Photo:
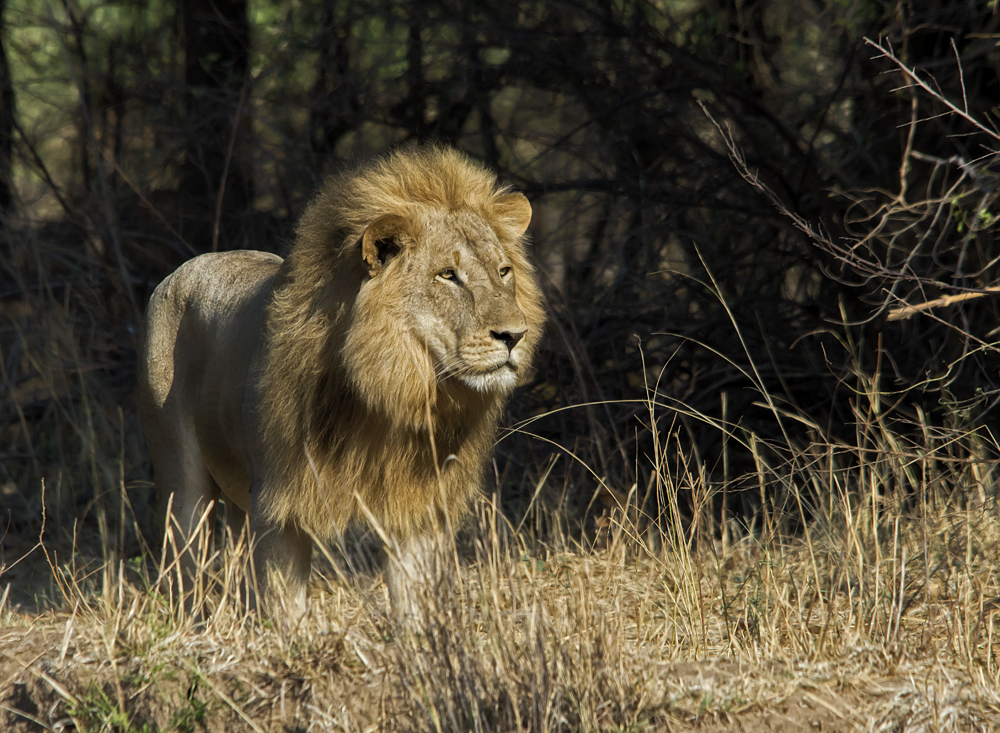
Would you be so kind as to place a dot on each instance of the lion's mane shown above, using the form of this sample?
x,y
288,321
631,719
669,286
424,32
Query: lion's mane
x,y
347,397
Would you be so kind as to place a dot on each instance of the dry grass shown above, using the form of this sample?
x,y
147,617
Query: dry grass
x,y
878,612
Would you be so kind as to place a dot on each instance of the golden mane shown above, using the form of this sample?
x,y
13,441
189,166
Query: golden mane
x,y
343,384
405,182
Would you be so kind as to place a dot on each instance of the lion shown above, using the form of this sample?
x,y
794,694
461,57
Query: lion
x,y
360,379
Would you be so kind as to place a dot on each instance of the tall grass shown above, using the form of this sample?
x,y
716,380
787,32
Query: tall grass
x,y
863,593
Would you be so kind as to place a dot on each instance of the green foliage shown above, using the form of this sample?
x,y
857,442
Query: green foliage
x,y
97,711
192,717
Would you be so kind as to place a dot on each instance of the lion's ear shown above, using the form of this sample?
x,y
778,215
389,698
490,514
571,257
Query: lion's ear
x,y
380,242
515,209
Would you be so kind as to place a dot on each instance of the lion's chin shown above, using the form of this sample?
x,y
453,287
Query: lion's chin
x,y
500,380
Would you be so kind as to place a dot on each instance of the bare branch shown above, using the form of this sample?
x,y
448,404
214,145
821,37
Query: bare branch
x,y
912,74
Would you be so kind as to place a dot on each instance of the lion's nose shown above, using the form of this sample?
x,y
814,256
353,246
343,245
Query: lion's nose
x,y
509,338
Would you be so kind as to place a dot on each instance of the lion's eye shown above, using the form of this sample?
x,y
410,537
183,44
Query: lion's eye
x,y
505,271
448,274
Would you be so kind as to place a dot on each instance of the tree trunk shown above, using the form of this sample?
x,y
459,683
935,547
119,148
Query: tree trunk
x,y
6,124
334,99
217,185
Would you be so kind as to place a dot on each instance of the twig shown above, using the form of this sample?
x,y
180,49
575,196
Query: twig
x,y
736,156
904,312
933,92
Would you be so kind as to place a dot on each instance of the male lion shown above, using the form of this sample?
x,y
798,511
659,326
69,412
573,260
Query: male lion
x,y
360,378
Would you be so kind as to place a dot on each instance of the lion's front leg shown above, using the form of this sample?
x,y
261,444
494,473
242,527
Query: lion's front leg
x,y
282,558
417,568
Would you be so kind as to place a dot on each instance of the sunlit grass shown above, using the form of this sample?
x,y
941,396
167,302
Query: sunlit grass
x,y
878,611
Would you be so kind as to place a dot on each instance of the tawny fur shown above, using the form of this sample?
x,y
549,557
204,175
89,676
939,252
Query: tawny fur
x,y
368,368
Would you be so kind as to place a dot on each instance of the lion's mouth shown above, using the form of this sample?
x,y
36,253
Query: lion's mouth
x,y
500,367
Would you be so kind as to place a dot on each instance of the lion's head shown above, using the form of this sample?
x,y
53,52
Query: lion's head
x,y
457,291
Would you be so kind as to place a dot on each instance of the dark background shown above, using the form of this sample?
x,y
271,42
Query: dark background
x,y
134,135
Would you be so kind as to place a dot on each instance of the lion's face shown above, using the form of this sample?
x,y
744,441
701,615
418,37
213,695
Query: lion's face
x,y
462,303
456,287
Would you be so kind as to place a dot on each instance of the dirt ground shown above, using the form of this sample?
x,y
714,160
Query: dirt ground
x,y
47,684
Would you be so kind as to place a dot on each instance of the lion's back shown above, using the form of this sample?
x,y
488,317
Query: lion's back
x,y
201,307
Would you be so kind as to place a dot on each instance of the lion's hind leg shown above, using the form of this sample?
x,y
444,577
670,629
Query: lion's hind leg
x,y
187,498
282,558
